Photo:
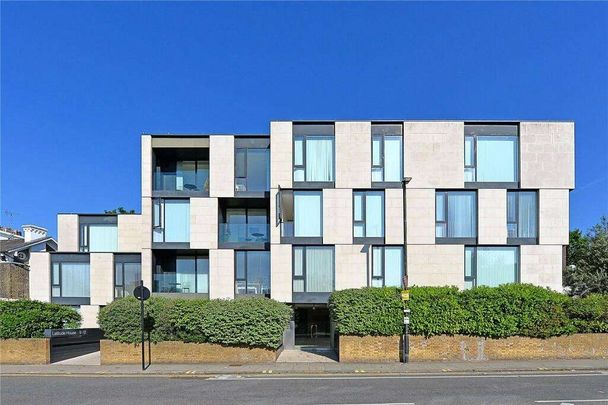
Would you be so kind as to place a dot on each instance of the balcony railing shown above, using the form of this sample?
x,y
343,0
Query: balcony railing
x,y
243,233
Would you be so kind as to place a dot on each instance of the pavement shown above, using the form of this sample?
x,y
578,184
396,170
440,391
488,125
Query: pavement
x,y
330,368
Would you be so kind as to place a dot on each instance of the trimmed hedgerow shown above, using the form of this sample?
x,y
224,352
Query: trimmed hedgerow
x,y
367,311
435,311
251,321
28,319
589,314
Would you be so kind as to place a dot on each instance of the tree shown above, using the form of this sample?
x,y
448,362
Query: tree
x,y
119,210
587,269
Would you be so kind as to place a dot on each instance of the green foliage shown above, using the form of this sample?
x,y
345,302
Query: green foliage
x,y
252,322
587,270
29,319
589,314
435,311
367,311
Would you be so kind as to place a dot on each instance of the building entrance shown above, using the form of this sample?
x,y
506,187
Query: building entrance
x,y
312,326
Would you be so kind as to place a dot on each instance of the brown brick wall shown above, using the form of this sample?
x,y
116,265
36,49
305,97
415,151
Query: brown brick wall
x,y
14,281
25,351
467,348
179,352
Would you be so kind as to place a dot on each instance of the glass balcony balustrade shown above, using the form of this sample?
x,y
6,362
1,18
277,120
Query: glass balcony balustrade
x,y
243,233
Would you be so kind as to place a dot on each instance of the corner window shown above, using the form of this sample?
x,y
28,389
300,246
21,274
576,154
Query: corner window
x,y
313,153
252,169
387,152
522,214
455,214
98,233
387,266
171,220
252,273
490,266
70,279
181,274
127,274
491,153
313,269
368,214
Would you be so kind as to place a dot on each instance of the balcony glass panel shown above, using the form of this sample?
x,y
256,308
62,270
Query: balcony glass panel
x,y
241,233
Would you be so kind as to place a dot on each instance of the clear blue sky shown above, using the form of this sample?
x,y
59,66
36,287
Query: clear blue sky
x,y
82,81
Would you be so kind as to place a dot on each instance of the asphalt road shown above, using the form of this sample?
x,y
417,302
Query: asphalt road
x,y
554,388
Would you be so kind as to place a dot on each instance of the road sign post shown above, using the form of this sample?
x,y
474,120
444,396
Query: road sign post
x,y
405,296
142,293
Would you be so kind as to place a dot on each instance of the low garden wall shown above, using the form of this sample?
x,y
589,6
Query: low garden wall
x,y
179,352
379,349
25,351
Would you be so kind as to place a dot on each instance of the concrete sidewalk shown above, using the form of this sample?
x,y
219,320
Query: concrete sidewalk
x,y
294,369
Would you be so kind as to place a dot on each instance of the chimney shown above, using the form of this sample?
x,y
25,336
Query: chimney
x,y
32,232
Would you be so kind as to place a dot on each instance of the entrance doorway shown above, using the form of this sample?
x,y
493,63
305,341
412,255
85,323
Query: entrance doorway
x,y
312,326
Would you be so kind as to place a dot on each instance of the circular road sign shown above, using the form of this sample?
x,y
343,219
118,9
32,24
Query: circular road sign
x,y
141,293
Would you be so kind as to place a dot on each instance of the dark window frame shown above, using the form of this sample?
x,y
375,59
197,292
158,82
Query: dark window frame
x,y
246,269
295,137
519,240
473,277
246,149
302,277
383,183
364,238
455,240
195,257
84,230
122,260
383,276
160,224
77,258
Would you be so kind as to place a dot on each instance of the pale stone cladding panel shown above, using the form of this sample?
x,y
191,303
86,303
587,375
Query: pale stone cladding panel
x,y
67,233
547,154
353,142
275,228
280,273
434,154
101,278
89,316
221,273
351,266
203,223
221,166
554,217
147,267
130,233
146,166
337,216
393,220
281,164
436,265
40,276
146,223
542,265
492,216
420,210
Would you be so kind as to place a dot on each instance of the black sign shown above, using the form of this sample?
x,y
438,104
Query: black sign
x,y
141,293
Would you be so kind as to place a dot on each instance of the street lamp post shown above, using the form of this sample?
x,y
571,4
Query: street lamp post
x,y
405,294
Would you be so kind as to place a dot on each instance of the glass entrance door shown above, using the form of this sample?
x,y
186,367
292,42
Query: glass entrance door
x,y
312,326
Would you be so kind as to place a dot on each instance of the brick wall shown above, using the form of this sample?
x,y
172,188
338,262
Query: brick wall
x,y
14,281
25,351
180,352
369,349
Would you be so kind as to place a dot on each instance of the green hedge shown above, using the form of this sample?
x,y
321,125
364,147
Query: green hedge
x,y
508,310
29,319
251,321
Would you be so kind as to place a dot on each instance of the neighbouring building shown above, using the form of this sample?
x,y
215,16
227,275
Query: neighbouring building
x,y
315,207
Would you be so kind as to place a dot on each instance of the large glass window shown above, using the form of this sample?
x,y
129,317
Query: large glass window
x,y
522,214
313,153
70,279
184,169
455,214
252,272
368,214
491,153
313,269
491,266
308,213
387,266
181,274
171,220
127,274
245,225
98,233
252,171
387,153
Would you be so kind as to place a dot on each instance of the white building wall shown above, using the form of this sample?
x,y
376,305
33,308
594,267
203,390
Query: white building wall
x,y
146,166
492,216
281,269
542,265
221,166
436,265
351,266
203,223
281,156
89,316
67,233
353,141
147,267
337,216
420,211
130,233
101,278
554,212
40,276
221,273
393,208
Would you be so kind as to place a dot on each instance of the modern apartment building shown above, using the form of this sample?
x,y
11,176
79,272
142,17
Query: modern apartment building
x,y
316,207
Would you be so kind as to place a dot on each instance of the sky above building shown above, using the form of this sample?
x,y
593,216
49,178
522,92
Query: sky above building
x,y
80,82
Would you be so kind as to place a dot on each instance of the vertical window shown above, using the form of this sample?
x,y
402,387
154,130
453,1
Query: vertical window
x,y
252,272
455,214
387,153
313,269
181,274
313,153
491,153
252,170
98,233
491,266
368,214
308,211
127,274
70,279
387,266
522,214
171,222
